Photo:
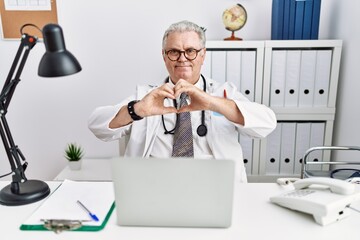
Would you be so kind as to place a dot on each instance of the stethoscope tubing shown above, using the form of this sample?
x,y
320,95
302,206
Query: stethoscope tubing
x,y
201,130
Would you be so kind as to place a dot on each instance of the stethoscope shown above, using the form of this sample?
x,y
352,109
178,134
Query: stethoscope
x,y
201,130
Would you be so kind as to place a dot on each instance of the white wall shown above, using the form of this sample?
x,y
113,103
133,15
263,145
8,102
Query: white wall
x,y
347,127
118,44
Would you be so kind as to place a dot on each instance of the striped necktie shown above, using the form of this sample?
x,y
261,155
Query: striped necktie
x,y
183,138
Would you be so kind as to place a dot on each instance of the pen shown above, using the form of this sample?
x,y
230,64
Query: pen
x,y
93,216
225,95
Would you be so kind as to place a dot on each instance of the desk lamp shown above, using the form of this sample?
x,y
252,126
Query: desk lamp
x,y
57,61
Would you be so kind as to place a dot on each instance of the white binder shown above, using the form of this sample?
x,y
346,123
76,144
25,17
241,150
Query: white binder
x,y
293,60
302,144
307,78
218,66
233,69
316,139
273,142
287,148
248,69
206,68
277,84
322,80
247,148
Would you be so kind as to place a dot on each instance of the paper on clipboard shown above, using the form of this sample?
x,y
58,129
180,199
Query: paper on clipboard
x,y
27,5
62,204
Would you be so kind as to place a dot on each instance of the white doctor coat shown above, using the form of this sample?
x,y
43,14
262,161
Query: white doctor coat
x,y
222,134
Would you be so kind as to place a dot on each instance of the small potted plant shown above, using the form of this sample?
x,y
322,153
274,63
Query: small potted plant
x,y
74,154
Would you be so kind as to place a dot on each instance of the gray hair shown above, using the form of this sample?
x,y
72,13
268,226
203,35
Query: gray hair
x,y
185,26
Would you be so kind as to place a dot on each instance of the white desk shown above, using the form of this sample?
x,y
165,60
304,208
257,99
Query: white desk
x,y
254,218
91,170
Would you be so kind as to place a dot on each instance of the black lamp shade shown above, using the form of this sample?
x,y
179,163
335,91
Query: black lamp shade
x,y
57,61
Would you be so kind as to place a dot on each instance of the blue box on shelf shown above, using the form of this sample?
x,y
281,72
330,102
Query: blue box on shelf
x,y
295,19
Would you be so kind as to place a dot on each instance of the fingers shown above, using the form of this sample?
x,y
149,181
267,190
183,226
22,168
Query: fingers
x,y
166,91
153,102
155,99
183,86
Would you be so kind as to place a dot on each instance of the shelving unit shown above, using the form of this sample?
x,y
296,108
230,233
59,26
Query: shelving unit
x,y
302,110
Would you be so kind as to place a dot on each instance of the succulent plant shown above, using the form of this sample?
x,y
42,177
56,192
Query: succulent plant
x,y
73,152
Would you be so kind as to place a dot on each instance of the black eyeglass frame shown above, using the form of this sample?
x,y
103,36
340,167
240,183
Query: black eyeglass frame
x,y
182,52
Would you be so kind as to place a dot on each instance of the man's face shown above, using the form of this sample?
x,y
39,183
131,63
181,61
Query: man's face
x,y
183,68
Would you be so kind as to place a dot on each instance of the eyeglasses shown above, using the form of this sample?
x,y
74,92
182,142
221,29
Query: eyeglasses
x,y
190,54
345,173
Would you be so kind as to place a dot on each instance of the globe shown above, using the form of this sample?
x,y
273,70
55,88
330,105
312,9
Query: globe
x,y
234,18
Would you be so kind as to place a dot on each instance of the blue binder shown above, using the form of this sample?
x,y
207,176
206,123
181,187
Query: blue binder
x,y
315,19
299,19
308,14
286,20
277,19
292,19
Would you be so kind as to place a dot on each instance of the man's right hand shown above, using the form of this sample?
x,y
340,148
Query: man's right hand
x,y
153,103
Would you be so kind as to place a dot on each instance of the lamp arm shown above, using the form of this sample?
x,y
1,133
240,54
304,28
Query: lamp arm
x,y
12,150
27,43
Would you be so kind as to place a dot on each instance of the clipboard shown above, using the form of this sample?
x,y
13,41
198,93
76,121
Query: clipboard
x,y
60,210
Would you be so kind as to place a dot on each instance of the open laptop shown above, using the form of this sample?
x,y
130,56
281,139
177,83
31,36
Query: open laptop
x,y
173,192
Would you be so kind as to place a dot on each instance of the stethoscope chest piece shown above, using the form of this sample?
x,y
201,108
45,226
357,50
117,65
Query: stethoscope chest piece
x,y
201,130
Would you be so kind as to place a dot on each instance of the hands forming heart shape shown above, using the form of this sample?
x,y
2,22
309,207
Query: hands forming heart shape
x,y
153,102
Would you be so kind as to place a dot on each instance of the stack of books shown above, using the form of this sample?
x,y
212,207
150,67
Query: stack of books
x,y
295,19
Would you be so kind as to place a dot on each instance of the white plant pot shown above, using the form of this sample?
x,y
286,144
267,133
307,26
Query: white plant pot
x,y
75,165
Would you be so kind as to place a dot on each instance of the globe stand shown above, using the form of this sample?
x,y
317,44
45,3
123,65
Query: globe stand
x,y
233,38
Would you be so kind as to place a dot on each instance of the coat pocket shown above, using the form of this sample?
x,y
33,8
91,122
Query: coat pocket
x,y
221,125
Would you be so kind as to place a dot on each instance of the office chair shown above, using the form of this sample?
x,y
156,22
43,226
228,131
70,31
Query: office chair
x,y
333,169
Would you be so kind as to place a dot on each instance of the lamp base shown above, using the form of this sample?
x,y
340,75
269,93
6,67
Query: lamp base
x,y
29,192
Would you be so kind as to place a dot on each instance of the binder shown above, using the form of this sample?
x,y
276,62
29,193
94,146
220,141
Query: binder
x,y
206,68
316,139
233,69
273,145
278,75
322,79
248,74
247,147
315,19
98,197
293,60
302,144
307,78
277,19
308,14
287,148
299,19
218,66
286,26
292,11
